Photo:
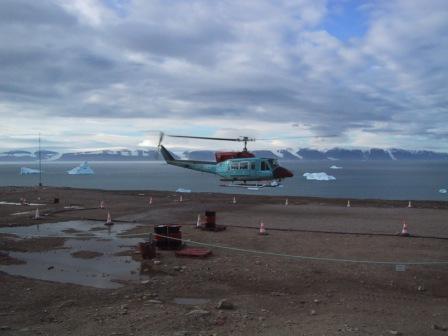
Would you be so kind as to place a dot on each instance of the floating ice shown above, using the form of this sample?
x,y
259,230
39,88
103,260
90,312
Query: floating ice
x,y
319,176
182,190
82,169
26,171
335,167
443,191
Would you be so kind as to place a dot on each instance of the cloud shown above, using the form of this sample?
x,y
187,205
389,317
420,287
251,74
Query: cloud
x,y
207,66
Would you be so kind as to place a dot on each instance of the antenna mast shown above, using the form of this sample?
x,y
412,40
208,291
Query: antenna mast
x,y
40,165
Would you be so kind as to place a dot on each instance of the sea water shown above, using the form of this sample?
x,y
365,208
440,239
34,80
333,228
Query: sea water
x,y
401,180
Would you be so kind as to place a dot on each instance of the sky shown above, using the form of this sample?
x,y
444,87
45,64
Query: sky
x,y
90,74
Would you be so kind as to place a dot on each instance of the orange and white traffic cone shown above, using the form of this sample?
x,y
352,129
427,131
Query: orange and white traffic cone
x,y
109,219
102,205
234,200
286,202
348,204
262,229
404,230
199,222
37,215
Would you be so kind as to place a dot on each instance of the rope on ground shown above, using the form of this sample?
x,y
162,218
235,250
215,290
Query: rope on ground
x,y
266,253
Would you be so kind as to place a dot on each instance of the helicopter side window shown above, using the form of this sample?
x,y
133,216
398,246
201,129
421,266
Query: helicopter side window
x,y
252,166
264,165
234,165
244,165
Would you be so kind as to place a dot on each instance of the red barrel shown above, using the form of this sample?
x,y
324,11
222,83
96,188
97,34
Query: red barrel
x,y
210,219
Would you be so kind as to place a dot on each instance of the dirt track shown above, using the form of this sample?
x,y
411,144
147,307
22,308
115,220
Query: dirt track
x,y
272,295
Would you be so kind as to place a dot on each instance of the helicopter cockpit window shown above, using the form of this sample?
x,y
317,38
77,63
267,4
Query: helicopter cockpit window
x,y
234,165
264,165
244,165
274,163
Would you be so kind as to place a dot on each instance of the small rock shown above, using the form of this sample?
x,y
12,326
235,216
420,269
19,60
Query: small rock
x,y
421,288
156,262
313,312
50,267
198,313
438,327
155,301
182,333
144,282
177,268
220,320
225,304
394,332
5,328
67,303
316,301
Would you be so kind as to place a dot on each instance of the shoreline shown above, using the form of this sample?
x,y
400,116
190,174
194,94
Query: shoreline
x,y
378,202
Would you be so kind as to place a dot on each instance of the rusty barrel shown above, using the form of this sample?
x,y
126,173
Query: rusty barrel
x,y
168,236
147,250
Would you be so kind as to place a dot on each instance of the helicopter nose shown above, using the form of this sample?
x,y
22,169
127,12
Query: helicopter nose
x,y
281,172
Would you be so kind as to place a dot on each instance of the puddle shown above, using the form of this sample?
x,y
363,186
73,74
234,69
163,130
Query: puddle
x,y
60,266
190,301
17,203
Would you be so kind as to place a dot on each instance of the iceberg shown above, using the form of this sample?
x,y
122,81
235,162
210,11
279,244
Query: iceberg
x,y
319,176
26,171
82,169
443,191
335,167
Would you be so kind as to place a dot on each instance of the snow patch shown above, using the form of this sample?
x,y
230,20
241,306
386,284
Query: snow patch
x,y
26,171
335,167
319,176
182,190
443,191
388,151
82,169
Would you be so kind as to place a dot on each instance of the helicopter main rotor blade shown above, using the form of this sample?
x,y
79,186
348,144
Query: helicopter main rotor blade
x,y
242,139
300,137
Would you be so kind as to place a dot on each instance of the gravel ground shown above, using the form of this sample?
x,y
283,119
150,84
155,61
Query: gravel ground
x,y
268,295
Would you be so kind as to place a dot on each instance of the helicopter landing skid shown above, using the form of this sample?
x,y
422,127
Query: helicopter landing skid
x,y
253,186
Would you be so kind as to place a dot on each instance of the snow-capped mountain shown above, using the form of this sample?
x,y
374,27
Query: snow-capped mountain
x,y
208,155
22,155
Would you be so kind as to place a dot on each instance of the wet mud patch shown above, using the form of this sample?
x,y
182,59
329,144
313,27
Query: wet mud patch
x,y
99,229
31,244
126,253
71,231
86,254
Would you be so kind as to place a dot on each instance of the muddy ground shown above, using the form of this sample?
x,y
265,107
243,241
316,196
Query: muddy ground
x,y
270,294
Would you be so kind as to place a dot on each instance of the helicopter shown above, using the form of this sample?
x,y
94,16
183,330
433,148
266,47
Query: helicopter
x,y
239,169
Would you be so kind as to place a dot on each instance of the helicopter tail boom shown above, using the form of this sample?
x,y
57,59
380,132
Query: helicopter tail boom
x,y
166,154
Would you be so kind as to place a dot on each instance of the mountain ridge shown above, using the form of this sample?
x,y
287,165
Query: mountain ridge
x,y
392,154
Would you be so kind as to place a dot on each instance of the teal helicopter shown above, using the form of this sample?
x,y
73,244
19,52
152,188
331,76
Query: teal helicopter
x,y
238,169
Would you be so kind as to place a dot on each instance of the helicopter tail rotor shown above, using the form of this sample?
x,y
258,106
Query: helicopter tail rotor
x,y
161,136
